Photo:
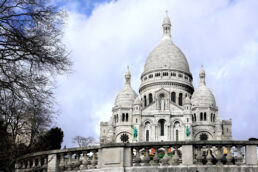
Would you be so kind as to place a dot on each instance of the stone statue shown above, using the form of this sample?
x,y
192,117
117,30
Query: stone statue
x,y
162,104
135,132
187,131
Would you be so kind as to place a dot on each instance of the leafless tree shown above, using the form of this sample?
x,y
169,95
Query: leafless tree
x,y
84,141
31,56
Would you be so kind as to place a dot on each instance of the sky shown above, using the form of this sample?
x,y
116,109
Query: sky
x,y
105,36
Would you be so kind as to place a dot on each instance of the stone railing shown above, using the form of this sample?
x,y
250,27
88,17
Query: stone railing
x,y
145,155
59,160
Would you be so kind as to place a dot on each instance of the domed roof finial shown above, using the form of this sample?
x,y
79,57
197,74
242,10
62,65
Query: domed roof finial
x,y
128,76
166,27
202,76
127,95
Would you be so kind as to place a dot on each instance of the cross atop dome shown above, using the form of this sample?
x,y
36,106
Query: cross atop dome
x,y
128,76
202,76
166,27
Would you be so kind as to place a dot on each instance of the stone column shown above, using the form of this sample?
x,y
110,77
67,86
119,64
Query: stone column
x,y
116,157
187,154
251,154
52,163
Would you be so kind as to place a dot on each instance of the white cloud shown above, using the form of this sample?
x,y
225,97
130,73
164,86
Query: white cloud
x,y
219,34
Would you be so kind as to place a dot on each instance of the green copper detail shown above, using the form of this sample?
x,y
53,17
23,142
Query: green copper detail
x,y
135,132
187,131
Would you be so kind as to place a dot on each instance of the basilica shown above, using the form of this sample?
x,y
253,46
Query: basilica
x,y
168,107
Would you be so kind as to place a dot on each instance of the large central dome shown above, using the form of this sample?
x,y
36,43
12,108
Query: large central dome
x,y
166,56
166,65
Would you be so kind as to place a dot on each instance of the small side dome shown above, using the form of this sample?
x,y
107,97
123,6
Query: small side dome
x,y
127,95
203,96
137,101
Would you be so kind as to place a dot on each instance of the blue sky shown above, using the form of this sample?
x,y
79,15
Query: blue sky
x,y
106,36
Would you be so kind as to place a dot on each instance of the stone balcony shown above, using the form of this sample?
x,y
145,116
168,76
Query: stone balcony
x,y
181,156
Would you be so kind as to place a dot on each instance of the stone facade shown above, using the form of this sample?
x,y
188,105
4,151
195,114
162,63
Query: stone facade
x,y
169,108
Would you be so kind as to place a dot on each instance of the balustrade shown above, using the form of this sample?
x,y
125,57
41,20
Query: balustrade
x,y
35,163
156,155
219,154
199,153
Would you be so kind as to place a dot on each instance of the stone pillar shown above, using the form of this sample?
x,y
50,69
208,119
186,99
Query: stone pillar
x,y
116,157
52,163
187,154
251,154
128,157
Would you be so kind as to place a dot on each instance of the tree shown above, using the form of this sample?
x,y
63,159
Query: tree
x,y
4,144
51,140
31,56
84,141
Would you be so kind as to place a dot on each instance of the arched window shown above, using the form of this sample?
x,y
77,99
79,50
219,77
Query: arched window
x,y
126,117
147,135
162,101
150,98
173,97
201,116
115,118
145,101
180,99
176,135
162,123
204,116
214,117
123,117
211,117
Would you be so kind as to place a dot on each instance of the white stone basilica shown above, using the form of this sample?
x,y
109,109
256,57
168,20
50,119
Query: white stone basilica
x,y
169,108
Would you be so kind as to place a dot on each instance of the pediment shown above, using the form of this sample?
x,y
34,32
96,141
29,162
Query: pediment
x,y
162,92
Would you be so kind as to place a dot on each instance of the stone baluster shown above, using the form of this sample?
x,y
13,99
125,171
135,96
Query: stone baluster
x,y
199,155
23,165
85,161
229,155
28,164
70,163
176,157
156,157
209,157
33,163
137,157
239,158
94,161
146,158
62,162
219,156
78,161
45,164
17,166
39,162
165,159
